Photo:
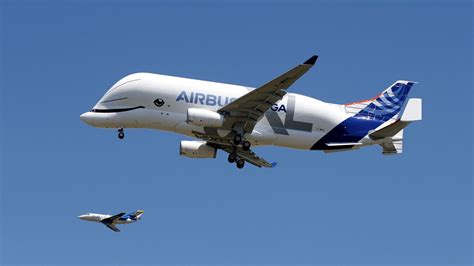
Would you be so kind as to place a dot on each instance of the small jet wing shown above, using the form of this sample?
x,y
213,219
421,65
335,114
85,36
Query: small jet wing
x,y
112,219
248,156
112,227
249,108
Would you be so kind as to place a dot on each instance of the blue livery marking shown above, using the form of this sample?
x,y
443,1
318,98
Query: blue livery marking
x,y
388,104
380,110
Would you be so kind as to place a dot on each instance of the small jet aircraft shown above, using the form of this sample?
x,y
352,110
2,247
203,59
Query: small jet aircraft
x,y
234,118
111,220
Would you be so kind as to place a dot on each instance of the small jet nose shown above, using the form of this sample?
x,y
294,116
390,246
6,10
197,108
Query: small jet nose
x,y
82,217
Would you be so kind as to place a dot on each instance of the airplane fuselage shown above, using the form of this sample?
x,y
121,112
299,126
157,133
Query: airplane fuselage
x,y
97,217
153,101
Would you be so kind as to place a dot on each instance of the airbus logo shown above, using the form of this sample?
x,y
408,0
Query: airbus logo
x,y
213,100
204,99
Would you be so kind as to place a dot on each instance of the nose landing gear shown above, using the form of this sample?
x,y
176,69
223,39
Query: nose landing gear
x,y
121,134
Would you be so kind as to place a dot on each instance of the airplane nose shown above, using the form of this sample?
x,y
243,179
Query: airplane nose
x,y
86,118
81,217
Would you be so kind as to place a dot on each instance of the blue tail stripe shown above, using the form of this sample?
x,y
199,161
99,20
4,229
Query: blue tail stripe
x,y
391,99
389,105
354,128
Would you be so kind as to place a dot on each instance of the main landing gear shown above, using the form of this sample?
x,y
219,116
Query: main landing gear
x,y
238,140
246,145
121,134
240,163
234,159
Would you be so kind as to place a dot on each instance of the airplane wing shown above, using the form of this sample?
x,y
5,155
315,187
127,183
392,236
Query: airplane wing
x,y
112,227
248,156
248,109
112,219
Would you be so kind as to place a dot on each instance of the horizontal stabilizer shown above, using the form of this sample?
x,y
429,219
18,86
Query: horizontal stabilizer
x,y
389,131
411,113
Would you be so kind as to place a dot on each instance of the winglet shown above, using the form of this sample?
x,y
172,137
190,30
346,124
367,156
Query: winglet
x,y
274,164
412,111
311,60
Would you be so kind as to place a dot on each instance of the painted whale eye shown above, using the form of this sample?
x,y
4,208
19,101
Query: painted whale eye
x,y
159,102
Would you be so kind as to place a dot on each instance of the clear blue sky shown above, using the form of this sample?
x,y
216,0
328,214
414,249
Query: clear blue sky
x,y
59,57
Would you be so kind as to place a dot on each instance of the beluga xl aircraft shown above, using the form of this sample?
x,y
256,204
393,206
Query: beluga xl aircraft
x,y
235,118
111,220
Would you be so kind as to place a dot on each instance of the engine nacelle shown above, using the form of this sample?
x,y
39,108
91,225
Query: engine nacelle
x,y
205,118
196,149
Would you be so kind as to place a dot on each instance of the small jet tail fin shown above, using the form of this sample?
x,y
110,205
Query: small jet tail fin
x,y
137,214
385,106
134,215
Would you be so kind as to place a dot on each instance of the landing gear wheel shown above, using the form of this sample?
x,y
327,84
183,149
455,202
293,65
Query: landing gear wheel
x,y
240,163
246,145
237,139
232,157
121,135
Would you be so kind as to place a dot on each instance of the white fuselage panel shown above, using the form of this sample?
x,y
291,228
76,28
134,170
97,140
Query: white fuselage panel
x,y
161,102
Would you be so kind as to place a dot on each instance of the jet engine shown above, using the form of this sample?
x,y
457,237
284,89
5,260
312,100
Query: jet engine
x,y
196,149
205,118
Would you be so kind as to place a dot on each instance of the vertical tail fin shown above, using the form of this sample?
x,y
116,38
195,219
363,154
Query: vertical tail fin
x,y
138,214
135,215
385,106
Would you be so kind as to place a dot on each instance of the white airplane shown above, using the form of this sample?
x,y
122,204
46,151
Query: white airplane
x,y
234,118
111,220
